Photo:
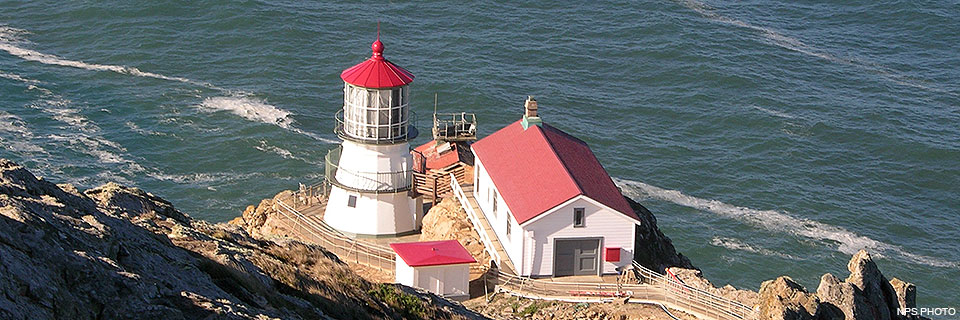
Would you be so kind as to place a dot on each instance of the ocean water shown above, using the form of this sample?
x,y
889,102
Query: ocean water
x,y
769,137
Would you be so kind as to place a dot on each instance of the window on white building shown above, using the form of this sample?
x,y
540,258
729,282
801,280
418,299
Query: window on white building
x,y
352,201
578,218
494,204
508,227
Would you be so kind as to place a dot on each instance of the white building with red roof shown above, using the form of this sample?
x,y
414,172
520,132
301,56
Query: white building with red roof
x,y
441,267
371,172
551,204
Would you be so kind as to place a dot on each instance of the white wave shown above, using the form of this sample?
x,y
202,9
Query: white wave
x,y
274,149
12,42
203,178
20,135
734,244
32,55
82,135
794,44
844,240
774,113
256,110
11,39
286,154
250,109
17,77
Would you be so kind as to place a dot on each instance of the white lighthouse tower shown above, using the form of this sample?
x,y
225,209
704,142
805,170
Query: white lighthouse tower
x,y
370,172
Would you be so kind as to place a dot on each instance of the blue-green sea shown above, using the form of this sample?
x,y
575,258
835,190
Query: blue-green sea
x,y
769,137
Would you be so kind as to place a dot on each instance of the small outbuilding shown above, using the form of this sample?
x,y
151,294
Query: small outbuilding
x,y
441,267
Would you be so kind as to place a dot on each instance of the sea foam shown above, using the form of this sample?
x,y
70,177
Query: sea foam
x,y
736,244
11,41
845,241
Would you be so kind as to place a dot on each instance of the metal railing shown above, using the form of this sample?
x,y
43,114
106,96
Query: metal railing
x,y
472,216
691,299
371,182
403,134
455,126
347,249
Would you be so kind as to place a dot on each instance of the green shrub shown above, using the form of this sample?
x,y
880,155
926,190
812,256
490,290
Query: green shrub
x,y
409,306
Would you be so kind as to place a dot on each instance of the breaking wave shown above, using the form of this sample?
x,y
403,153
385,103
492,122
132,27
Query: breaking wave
x,y
734,244
11,40
846,241
774,113
14,126
17,77
250,109
256,110
284,153
10,37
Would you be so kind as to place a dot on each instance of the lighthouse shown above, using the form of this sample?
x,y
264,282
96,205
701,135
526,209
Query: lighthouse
x,y
370,172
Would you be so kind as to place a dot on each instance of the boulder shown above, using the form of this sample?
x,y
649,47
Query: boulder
x,y
906,293
783,298
447,220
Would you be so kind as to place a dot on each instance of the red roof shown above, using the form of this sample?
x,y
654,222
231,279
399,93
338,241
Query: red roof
x,y
437,160
377,72
432,253
541,167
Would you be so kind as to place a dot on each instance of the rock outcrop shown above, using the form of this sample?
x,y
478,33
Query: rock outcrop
x,y
653,249
447,220
263,220
865,294
116,253
782,298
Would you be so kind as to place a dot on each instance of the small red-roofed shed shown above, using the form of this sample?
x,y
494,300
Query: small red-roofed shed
x,y
441,267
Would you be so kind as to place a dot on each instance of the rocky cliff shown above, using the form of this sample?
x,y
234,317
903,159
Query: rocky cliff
x,y
864,294
115,253
653,249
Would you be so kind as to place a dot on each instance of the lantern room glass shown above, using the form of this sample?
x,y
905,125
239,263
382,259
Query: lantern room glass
x,y
375,114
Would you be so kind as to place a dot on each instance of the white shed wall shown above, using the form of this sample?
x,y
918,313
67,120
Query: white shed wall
x,y
482,191
404,273
450,281
616,230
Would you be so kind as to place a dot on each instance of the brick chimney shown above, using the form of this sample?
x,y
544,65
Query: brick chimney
x,y
530,116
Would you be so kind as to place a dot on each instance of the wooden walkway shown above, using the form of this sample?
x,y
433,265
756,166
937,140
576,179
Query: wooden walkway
x,y
490,241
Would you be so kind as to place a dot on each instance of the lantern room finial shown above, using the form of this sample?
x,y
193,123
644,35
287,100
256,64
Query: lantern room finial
x,y
377,46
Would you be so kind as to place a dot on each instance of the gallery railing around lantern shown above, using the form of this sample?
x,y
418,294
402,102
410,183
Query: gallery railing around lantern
x,y
455,126
361,181
376,134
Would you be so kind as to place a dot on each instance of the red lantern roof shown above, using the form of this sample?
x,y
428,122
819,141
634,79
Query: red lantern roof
x,y
432,253
377,72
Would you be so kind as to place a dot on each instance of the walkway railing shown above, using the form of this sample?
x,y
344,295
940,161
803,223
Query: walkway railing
x,y
346,248
363,132
361,181
691,299
472,215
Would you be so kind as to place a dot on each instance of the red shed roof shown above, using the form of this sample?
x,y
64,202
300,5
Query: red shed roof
x,y
432,253
541,167
377,72
440,160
